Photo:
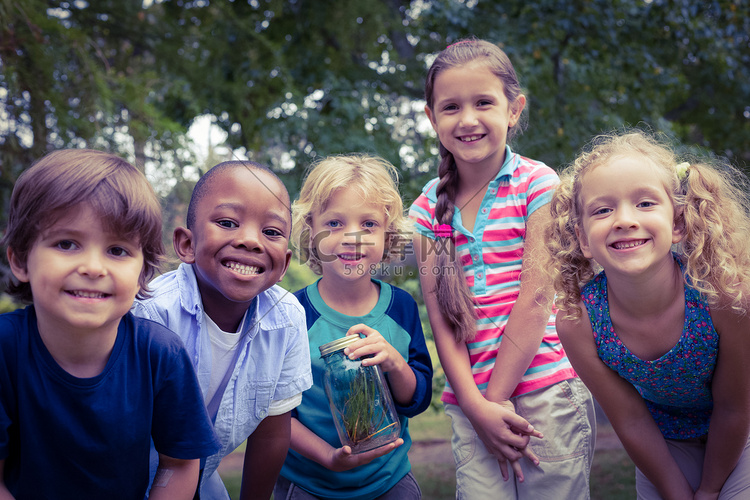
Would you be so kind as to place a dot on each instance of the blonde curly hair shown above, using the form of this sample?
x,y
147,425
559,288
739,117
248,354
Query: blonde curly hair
x,y
374,178
710,204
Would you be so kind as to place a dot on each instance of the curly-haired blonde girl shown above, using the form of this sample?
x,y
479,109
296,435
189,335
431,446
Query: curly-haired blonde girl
x,y
710,202
661,335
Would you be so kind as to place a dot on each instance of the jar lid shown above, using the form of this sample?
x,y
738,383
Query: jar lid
x,y
338,344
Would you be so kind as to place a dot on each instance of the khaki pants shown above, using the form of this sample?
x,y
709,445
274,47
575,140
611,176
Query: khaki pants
x,y
689,457
564,413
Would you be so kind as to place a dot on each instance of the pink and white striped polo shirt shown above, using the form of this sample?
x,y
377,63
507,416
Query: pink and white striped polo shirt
x,y
491,256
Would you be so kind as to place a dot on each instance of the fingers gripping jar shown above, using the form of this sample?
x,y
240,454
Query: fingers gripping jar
x,y
360,399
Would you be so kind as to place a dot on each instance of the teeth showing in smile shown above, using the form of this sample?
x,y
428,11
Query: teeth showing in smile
x,y
470,138
242,268
623,245
350,256
87,295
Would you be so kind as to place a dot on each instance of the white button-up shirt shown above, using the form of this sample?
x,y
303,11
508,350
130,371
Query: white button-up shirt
x,y
273,362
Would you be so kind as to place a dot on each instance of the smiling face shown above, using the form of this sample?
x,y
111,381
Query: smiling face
x,y
471,115
239,242
83,276
627,216
349,236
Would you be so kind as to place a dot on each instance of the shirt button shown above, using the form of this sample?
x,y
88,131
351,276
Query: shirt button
x,y
263,413
479,275
484,210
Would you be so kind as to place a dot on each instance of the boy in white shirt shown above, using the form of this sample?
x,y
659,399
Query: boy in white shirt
x,y
246,336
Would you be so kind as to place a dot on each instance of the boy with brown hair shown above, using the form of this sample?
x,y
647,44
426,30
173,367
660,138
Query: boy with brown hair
x,y
84,385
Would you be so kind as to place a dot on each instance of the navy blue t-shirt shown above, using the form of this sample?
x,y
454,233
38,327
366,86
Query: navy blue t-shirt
x,y
67,437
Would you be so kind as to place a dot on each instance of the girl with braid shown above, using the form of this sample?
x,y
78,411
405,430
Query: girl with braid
x,y
481,251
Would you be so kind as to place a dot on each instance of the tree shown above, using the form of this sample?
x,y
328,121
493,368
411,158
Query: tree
x,y
593,65
80,74
294,80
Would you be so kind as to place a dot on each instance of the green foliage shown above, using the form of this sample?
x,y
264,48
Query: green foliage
x,y
362,418
298,276
291,81
7,304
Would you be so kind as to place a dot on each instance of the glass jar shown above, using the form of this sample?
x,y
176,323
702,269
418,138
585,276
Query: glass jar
x,y
360,399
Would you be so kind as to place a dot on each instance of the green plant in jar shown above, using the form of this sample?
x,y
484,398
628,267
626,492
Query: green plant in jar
x,y
362,419
360,400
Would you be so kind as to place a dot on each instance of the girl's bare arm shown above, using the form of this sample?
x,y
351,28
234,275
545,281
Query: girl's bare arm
x,y
494,423
625,409
730,420
527,321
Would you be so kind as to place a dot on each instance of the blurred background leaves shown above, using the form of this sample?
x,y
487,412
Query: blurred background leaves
x,y
291,81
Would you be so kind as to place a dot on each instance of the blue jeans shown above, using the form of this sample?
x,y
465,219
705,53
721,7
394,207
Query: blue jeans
x,y
564,413
406,489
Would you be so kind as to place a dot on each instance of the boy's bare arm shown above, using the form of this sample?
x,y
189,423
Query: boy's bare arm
x,y
311,446
175,479
4,493
264,455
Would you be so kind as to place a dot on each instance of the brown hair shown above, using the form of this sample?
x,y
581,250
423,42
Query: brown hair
x,y
710,204
451,290
373,177
61,180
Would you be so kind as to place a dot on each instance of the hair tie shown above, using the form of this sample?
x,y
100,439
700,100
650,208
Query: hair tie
x,y
682,170
460,42
443,231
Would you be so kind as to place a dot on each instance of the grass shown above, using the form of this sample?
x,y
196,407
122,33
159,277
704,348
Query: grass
x,y
233,483
612,474
432,425
437,481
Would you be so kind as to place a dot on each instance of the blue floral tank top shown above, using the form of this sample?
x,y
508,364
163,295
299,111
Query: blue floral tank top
x,y
677,386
